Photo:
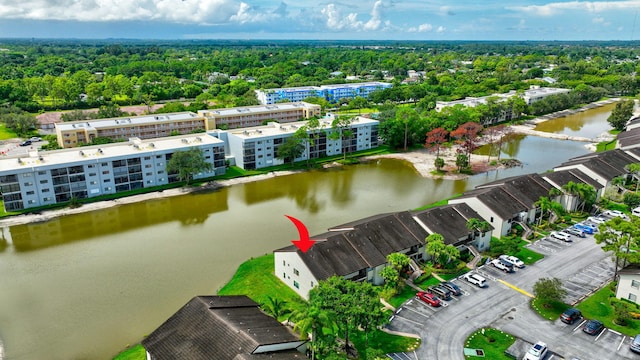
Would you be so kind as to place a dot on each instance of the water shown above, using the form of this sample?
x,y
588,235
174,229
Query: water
x,y
588,124
85,286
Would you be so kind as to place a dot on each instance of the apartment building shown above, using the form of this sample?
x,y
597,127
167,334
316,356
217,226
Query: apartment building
x,y
534,94
238,117
331,93
74,133
57,176
257,147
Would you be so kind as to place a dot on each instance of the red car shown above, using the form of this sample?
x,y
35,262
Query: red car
x,y
429,298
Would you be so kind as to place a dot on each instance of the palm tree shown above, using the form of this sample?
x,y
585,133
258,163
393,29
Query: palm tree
x,y
544,203
275,307
620,182
587,194
476,226
634,169
308,320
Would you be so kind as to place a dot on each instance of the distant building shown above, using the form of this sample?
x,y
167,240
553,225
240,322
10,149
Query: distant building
x,y
239,117
58,176
256,147
534,94
331,93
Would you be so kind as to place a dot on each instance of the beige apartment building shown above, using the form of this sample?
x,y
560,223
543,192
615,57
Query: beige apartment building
x,y
249,116
74,133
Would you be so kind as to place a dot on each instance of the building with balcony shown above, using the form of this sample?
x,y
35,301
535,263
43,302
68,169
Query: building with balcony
x,y
332,93
534,94
257,147
248,116
58,176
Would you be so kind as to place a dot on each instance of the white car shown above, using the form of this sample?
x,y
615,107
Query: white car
x,y
475,279
615,213
513,260
561,236
596,219
35,139
537,352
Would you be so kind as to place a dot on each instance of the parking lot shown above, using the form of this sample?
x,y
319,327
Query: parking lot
x,y
504,304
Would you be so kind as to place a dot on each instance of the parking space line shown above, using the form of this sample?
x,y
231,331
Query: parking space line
x,y
522,291
601,332
579,326
621,342
405,319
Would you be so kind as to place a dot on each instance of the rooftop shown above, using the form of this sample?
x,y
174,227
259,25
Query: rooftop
x,y
274,128
131,120
256,109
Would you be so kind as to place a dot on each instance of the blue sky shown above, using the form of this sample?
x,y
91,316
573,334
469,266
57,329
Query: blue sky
x,y
334,19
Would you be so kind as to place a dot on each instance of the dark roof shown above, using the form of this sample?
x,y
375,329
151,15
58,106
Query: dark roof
x,y
562,177
450,221
360,244
498,200
526,188
629,138
218,327
635,152
608,164
630,270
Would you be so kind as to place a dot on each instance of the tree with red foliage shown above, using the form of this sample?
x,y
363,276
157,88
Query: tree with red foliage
x,y
467,135
435,139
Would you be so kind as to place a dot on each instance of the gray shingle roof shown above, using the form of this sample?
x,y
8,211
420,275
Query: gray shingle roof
x,y
450,221
562,177
526,188
608,164
498,200
629,138
217,327
361,244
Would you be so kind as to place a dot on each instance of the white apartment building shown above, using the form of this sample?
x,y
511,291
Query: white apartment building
x,y
331,93
58,176
256,147
534,94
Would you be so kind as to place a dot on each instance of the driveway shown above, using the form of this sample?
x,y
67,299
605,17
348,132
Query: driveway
x,y
504,304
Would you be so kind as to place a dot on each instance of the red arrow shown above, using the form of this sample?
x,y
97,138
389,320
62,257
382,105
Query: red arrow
x,y
305,243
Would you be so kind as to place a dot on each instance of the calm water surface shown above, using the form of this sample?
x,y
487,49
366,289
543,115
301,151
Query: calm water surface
x,y
85,286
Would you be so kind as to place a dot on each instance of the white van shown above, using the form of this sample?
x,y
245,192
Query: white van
x,y
636,211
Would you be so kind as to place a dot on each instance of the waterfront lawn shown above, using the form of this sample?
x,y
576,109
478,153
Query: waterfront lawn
x,y
493,342
136,352
255,278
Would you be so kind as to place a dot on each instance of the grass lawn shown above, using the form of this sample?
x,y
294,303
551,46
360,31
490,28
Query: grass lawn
x,y
255,279
386,342
597,306
6,133
407,293
606,145
548,310
528,256
133,353
494,343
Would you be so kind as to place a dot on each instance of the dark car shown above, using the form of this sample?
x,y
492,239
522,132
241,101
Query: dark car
x,y
429,298
635,344
593,327
440,292
25,143
455,290
570,315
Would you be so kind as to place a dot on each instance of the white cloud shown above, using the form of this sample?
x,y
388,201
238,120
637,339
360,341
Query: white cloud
x,y
376,17
440,29
421,28
555,8
335,20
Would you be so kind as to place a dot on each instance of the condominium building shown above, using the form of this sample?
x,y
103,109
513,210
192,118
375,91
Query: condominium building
x,y
331,93
74,133
257,147
534,94
58,176
238,117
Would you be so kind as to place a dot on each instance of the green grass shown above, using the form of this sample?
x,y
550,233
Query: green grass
x,y
407,293
386,342
597,306
136,352
255,279
606,145
494,343
528,256
549,310
6,134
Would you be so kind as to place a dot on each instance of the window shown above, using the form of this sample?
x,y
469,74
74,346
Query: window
x,y
296,285
284,263
104,164
106,180
284,275
91,166
635,284
44,181
108,188
31,202
312,284
42,173
105,172
93,182
46,199
45,190
491,219
632,297
296,272
30,192
147,166
147,157
27,174
28,183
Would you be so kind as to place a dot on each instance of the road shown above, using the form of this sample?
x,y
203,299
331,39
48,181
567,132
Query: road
x,y
581,265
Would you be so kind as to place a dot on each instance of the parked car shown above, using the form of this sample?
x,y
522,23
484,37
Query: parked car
x,y
615,213
561,236
570,315
475,279
512,260
635,344
439,291
502,265
586,228
593,327
597,219
455,290
35,139
537,352
25,143
636,211
575,232
429,298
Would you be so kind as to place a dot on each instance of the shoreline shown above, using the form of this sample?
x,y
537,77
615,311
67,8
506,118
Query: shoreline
x,y
422,160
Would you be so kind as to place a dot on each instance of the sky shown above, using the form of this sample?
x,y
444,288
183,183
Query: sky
x,y
321,20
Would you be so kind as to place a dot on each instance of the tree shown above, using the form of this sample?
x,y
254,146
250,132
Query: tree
x,y
275,307
634,169
188,163
621,114
435,139
342,131
631,199
291,149
467,135
438,163
549,290
441,253
476,225
462,161
308,320
621,237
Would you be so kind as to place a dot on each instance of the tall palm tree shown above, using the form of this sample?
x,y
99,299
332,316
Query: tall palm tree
x,y
634,169
544,203
311,322
275,307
